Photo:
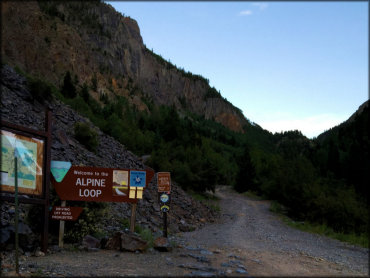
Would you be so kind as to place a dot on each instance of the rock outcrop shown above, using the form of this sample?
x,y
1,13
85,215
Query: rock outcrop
x,y
92,40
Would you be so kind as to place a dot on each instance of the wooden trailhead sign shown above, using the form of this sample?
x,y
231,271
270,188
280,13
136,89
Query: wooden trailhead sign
x,y
164,181
80,183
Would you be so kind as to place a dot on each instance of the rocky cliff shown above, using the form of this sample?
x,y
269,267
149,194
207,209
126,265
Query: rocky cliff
x,y
93,41
19,107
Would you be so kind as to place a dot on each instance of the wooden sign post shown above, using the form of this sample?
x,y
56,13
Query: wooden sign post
x,y
61,228
94,184
16,213
133,217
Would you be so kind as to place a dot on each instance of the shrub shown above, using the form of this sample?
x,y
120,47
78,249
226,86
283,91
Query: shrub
x,y
94,83
88,222
84,92
68,89
86,136
40,90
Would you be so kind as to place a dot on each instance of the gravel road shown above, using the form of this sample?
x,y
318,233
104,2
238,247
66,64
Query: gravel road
x,y
247,241
249,227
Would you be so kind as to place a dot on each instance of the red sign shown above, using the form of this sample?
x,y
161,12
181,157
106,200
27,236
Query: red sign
x,y
66,213
164,181
99,184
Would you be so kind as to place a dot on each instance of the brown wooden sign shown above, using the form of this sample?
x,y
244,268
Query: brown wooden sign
x,y
94,184
164,181
66,213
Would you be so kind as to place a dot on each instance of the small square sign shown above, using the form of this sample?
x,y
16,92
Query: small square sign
x,y
137,178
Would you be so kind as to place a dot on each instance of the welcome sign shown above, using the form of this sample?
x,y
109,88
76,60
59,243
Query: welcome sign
x,y
93,184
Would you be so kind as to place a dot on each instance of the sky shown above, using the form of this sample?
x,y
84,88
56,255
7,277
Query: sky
x,y
286,65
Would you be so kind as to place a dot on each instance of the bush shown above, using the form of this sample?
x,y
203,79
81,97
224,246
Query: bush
x,y
88,222
40,90
94,83
86,136
68,89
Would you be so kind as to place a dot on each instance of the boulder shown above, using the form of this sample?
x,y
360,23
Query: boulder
x,y
114,243
103,242
162,244
131,242
90,242
126,242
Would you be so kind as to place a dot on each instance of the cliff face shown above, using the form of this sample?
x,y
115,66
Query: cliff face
x,y
92,40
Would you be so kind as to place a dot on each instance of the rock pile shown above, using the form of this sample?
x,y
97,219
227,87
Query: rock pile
x,y
19,107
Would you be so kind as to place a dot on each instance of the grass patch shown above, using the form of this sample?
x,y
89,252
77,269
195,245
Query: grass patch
x,y
321,229
145,233
38,273
203,196
253,195
208,199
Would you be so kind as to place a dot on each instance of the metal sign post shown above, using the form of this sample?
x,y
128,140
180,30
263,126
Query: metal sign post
x,y
164,224
164,190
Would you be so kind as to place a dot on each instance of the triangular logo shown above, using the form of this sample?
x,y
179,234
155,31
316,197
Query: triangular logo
x,y
59,169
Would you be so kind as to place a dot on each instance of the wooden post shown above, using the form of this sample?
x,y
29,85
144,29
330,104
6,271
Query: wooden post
x,y
61,228
48,129
133,216
16,212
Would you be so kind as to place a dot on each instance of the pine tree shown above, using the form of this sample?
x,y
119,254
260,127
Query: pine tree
x,y
246,177
68,88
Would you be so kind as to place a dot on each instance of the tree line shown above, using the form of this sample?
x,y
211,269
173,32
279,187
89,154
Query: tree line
x,y
323,181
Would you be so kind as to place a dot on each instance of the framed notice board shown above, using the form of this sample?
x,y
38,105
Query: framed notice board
x,y
30,153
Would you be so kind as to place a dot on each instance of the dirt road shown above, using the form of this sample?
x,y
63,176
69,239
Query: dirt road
x,y
248,241
271,248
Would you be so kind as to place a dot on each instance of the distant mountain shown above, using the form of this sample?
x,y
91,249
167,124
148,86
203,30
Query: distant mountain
x,y
105,50
347,148
361,112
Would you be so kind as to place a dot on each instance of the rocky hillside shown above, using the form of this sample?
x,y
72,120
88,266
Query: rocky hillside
x,y
19,106
99,45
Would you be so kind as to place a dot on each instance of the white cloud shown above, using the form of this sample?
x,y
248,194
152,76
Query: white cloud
x,y
309,126
257,5
245,12
260,5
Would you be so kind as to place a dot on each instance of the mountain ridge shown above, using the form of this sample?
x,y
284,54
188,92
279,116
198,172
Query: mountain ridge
x,y
92,40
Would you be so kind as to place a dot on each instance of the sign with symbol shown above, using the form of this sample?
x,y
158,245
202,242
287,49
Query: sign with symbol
x,y
137,184
164,181
165,208
59,169
80,183
137,178
164,198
